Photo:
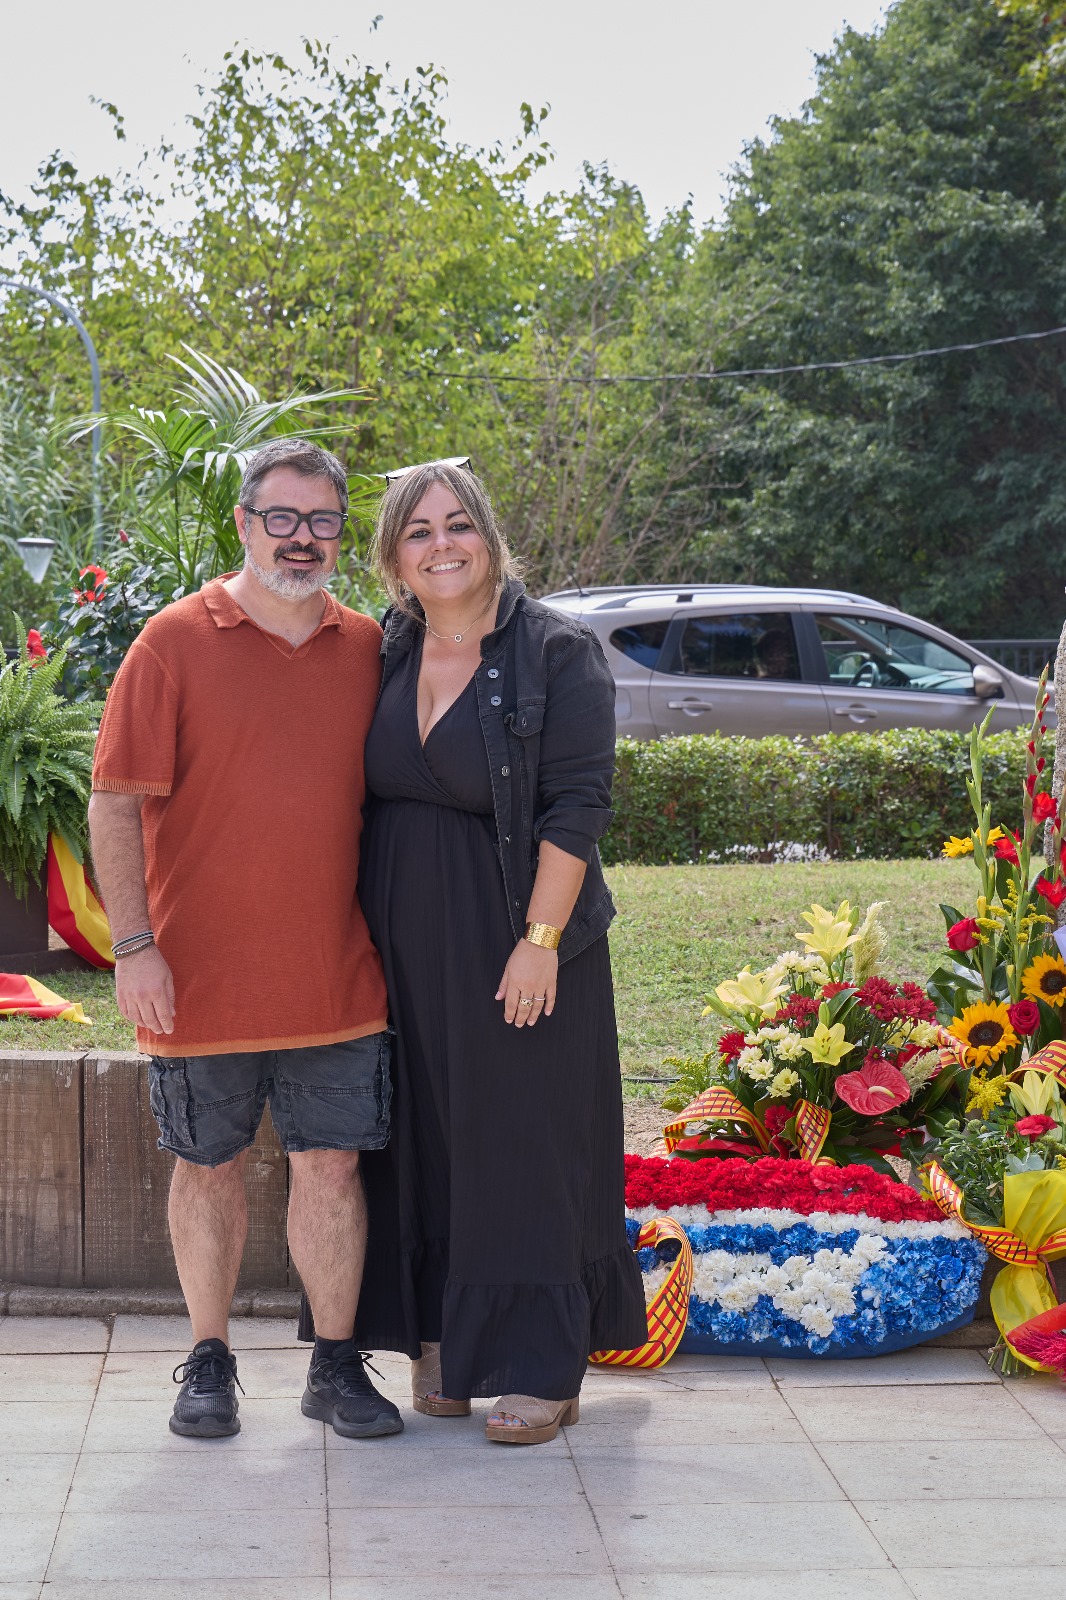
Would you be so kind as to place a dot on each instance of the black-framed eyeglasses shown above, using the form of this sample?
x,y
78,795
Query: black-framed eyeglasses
x,y
282,522
446,461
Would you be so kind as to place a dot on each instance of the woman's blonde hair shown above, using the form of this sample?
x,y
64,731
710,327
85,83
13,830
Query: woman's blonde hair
x,y
398,506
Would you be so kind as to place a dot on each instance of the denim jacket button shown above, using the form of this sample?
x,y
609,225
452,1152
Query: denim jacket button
x,y
493,672
505,772
495,700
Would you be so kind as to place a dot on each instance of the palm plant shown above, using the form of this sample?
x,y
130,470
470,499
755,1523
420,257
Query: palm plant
x,y
190,457
46,752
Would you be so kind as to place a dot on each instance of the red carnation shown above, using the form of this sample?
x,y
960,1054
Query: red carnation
x,y
1054,893
964,935
878,1088
730,1045
775,1117
1044,807
1024,1016
1035,1127
35,646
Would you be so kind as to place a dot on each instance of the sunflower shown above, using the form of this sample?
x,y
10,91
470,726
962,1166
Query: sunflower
x,y
986,1032
1045,980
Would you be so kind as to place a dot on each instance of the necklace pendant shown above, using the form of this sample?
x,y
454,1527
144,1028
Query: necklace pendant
x,y
458,638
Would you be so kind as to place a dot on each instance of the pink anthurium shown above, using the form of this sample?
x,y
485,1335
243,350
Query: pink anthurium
x,y
877,1087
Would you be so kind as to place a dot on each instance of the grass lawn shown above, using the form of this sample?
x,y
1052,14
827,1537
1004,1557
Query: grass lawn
x,y
680,930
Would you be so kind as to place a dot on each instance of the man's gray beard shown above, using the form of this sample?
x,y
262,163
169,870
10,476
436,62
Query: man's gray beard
x,y
286,585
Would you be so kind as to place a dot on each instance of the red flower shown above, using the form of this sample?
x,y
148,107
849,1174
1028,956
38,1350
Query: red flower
x,y
732,1183
1054,893
876,1089
1006,849
775,1117
800,1009
830,989
95,590
35,646
916,1004
1044,807
1024,1016
1035,1127
964,935
730,1045
123,536
1030,782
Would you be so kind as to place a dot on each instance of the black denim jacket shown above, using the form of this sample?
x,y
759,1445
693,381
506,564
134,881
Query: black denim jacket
x,y
546,701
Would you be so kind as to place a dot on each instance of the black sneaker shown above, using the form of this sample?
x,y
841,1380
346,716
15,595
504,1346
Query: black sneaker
x,y
206,1408
339,1392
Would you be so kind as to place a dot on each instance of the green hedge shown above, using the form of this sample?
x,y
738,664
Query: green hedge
x,y
713,798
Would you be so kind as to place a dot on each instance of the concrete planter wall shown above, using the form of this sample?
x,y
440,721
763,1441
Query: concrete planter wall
x,y
83,1189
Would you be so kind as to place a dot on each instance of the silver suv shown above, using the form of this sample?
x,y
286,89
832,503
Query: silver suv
x,y
729,658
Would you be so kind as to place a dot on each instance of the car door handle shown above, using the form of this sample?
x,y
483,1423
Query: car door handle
x,y
693,707
857,713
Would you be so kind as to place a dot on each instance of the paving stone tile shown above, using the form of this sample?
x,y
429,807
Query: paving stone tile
x,y
175,1333
493,1476
965,1532
142,1425
1044,1398
25,1546
793,1537
29,1591
478,1542
879,1583
903,1367
953,1412
709,1474
51,1377
440,1433
252,1480
180,1589
52,1335
34,1485
985,1583
213,1544
145,1375
508,1586
1032,1469
688,1417
42,1428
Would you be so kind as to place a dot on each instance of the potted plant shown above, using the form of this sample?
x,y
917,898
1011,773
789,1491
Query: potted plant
x,y
46,747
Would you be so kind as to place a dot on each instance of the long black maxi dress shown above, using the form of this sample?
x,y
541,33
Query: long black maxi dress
x,y
497,1221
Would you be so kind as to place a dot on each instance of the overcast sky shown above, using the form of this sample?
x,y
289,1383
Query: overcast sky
x,y
667,94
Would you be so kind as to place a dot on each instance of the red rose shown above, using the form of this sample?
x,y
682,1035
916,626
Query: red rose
x,y
35,646
1035,1127
964,935
730,1045
1054,893
1024,1016
1006,849
1044,807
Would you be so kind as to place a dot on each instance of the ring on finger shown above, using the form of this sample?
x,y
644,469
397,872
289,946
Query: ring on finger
x,y
524,1000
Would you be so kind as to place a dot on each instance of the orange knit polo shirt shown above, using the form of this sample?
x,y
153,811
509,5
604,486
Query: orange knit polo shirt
x,y
251,755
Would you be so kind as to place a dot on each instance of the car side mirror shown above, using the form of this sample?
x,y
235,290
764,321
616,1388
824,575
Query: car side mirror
x,y
986,685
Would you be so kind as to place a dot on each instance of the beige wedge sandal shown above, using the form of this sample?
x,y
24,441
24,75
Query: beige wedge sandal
x,y
425,1387
538,1420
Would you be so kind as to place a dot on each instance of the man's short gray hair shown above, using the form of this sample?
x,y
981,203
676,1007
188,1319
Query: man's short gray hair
x,y
310,460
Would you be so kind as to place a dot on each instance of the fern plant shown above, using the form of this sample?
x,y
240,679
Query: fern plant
x,y
46,753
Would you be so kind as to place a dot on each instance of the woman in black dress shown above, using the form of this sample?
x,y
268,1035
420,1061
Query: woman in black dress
x,y
497,1257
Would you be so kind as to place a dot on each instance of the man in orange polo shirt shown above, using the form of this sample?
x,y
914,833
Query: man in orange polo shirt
x,y
225,818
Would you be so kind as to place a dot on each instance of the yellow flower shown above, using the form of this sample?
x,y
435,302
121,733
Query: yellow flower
x,y
985,1094
1036,1096
831,931
958,847
986,1032
925,1034
828,1044
784,1083
752,991
1045,980
995,835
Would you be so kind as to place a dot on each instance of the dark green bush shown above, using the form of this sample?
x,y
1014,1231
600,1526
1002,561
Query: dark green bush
x,y
712,798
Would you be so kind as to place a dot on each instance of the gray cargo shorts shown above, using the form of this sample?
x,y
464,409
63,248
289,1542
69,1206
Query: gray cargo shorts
x,y
322,1097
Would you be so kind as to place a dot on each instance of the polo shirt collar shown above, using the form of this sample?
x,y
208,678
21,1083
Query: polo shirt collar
x,y
226,613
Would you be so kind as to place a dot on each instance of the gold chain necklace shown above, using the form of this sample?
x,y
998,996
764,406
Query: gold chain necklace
x,y
459,637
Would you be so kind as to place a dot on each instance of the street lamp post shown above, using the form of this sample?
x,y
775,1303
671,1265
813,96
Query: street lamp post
x,y
94,366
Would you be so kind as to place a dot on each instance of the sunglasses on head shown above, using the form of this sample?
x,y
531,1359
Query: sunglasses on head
x,y
446,461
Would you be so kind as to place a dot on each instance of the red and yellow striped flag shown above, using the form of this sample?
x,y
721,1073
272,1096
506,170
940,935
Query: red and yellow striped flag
x,y
27,997
73,909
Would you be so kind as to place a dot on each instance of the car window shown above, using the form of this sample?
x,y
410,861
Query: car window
x,y
872,653
641,642
750,644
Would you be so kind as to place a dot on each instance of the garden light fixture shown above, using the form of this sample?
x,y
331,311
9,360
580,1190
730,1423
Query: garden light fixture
x,y
36,555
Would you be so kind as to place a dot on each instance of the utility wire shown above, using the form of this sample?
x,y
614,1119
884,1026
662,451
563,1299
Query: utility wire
x,y
754,372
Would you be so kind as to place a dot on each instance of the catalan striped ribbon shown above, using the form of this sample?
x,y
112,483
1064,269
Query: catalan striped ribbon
x,y
1051,1060
999,1242
668,1308
73,909
812,1130
952,1050
714,1105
